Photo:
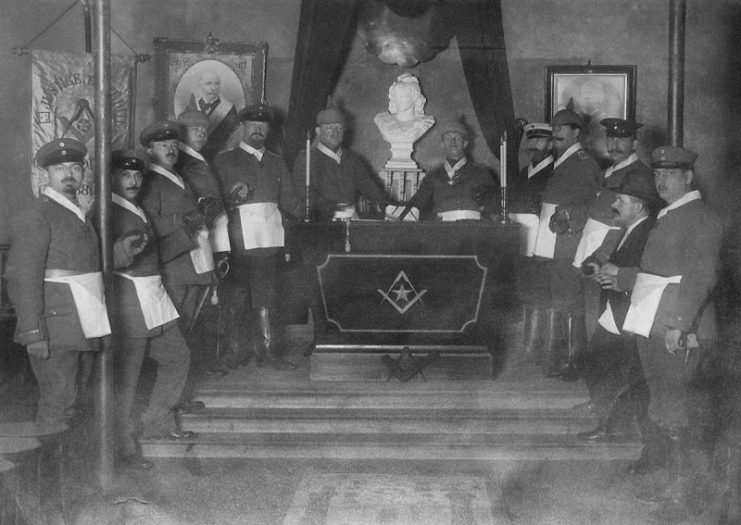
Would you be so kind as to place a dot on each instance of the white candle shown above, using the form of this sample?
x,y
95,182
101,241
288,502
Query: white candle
x,y
308,169
503,175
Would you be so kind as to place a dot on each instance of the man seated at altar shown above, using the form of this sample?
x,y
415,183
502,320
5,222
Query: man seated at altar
x,y
458,189
340,181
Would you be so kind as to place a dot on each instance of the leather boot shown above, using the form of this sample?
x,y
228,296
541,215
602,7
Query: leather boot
x,y
267,352
531,337
576,341
552,344
656,449
237,352
667,492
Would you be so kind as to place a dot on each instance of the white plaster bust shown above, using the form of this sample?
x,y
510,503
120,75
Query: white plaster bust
x,y
405,121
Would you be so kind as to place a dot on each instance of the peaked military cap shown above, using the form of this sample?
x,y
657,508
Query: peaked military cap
x,y
620,128
640,183
567,116
538,130
160,130
672,157
192,117
256,113
129,159
60,150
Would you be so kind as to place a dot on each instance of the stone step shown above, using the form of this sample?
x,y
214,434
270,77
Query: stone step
x,y
442,447
482,399
391,421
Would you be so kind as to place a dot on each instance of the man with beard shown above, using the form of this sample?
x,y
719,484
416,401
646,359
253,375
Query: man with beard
x,y
144,321
256,187
339,177
179,226
55,284
221,114
601,232
572,185
525,196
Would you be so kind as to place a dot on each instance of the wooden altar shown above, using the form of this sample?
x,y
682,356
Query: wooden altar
x,y
377,288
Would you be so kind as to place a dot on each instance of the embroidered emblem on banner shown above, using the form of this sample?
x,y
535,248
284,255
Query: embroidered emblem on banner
x,y
405,295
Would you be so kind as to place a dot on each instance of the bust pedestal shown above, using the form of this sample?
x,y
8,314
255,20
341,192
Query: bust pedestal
x,y
401,183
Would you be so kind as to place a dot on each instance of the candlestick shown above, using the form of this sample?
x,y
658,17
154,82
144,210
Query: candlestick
x,y
504,218
501,158
308,174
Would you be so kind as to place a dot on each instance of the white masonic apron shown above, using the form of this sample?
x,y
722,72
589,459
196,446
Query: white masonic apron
x,y
545,244
202,256
644,302
156,305
607,320
460,215
262,225
528,232
592,237
88,294
219,234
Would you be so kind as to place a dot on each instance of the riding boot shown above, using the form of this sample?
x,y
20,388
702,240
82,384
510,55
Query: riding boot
x,y
238,352
552,344
656,448
576,337
531,340
267,351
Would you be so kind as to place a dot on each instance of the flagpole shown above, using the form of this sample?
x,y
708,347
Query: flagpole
x,y
102,73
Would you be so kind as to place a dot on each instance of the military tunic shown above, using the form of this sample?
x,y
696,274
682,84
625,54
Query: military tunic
x,y
165,344
47,235
685,241
471,188
333,183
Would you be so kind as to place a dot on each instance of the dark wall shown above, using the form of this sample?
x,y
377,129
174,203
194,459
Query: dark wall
x,y
537,33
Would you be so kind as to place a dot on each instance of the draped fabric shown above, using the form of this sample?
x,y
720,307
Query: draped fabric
x,y
326,31
480,35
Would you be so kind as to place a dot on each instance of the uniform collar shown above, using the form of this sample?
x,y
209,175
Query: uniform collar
x,y
532,170
633,157
566,154
182,146
257,153
64,201
685,199
452,170
336,156
128,205
173,177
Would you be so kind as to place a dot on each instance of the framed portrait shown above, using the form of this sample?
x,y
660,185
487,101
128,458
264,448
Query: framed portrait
x,y
216,78
597,92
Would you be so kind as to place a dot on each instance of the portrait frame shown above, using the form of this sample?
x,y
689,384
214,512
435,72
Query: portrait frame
x,y
178,64
597,91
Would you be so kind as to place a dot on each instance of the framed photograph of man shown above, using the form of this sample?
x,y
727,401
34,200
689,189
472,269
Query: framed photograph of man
x,y
216,78
595,92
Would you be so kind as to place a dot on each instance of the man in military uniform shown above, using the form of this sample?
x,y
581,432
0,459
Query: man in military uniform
x,y
458,189
338,176
525,199
612,367
144,320
572,185
178,223
601,232
677,329
55,284
256,187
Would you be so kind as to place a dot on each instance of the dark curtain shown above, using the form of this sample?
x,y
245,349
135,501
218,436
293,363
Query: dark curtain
x,y
325,33
478,28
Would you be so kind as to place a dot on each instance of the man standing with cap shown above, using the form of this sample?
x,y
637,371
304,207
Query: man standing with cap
x,y
338,176
256,187
458,189
525,200
612,367
572,185
144,320
55,283
672,312
179,226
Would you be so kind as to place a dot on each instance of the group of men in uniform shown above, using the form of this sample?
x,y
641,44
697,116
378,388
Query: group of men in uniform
x,y
619,292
